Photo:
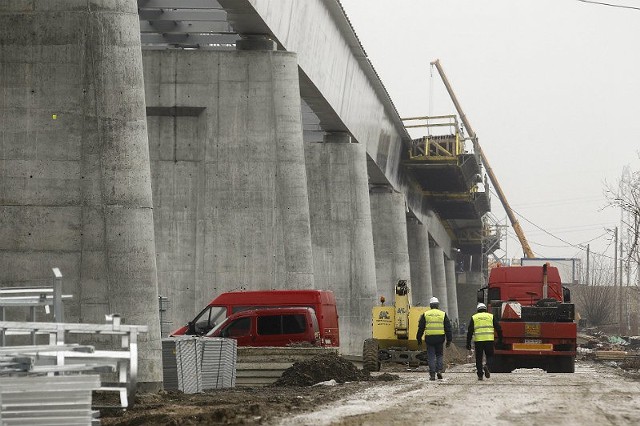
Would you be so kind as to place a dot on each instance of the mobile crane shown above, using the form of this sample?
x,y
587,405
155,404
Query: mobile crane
x,y
526,248
534,310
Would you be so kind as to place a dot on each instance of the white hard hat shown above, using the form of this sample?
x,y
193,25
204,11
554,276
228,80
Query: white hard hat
x,y
481,306
433,300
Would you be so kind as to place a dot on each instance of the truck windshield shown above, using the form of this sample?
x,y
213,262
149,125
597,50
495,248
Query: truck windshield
x,y
208,319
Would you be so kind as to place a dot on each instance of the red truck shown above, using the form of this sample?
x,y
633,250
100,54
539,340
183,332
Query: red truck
x,y
322,302
536,317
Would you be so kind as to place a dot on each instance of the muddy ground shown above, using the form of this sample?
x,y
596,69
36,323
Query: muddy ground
x,y
399,392
333,377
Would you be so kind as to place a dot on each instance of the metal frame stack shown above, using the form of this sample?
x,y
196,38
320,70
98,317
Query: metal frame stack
x,y
124,360
47,400
192,364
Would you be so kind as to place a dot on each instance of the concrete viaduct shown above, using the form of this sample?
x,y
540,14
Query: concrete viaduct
x,y
187,148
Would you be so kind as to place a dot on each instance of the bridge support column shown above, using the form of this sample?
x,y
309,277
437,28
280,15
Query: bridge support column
x,y
438,277
74,162
467,288
388,217
452,294
343,257
420,262
228,174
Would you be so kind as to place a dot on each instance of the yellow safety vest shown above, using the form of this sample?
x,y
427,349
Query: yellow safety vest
x,y
483,326
435,322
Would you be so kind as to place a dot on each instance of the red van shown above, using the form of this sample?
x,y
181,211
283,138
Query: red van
x,y
323,302
270,327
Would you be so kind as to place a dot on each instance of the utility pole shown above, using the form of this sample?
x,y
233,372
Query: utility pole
x,y
587,280
615,268
620,287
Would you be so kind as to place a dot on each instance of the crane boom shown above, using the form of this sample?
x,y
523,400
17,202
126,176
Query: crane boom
x,y
526,248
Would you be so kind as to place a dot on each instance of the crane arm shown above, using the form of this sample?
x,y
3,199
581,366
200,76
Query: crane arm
x,y
526,248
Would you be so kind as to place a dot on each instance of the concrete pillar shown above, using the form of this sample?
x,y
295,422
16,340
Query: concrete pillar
x,y
388,217
452,293
438,277
419,262
228,174
468,284
74,161
344,260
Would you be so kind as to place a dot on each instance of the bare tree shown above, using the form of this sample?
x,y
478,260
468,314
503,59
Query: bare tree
x,y
596,302
626,196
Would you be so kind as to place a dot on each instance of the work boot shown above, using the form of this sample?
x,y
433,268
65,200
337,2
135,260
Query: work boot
x,y
487,373
439,375
479,377
432,376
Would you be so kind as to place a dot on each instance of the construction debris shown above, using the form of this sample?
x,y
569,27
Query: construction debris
x,y
621,351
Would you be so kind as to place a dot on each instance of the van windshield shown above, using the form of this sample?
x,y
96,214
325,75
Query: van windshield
x,y
211,317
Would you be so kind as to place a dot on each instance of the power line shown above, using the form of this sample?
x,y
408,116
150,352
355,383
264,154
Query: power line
x,y
621,6
578,246
540,228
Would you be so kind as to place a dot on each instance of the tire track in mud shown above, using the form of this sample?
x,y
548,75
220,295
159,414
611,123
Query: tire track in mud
x,y
592,395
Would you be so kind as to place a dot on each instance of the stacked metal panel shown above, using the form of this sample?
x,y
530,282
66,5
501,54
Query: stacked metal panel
x,y
218,363
169,364
193,364
47,400
180,364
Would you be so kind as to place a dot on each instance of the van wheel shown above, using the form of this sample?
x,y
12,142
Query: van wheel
x,y
370,361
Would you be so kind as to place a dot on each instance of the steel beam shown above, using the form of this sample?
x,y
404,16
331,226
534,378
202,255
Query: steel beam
x,y
180,4
192,27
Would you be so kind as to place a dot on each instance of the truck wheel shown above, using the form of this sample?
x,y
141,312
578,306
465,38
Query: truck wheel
x,y
570,365
562,364
370,361
500,364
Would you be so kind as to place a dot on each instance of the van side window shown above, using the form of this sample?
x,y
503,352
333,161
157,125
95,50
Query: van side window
x,y
292,324
237,328
281,324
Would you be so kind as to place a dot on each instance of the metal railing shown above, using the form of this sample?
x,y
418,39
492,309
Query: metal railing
x,y
49,297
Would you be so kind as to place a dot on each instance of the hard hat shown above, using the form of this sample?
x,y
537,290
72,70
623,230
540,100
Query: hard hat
x,y
481,306
433,300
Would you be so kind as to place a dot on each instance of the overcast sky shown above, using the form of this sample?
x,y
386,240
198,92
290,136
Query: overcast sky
x,y
551,87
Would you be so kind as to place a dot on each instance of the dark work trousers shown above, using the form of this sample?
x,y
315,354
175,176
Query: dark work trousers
x,y
435,357
487,349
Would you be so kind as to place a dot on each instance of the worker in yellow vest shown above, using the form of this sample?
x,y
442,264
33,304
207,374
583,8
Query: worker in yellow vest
x,y
435,326
484,325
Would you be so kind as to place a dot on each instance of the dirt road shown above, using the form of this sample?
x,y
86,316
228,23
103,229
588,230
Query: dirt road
x,y
595,394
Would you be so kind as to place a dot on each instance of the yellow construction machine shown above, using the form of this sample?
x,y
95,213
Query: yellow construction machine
x,y
394,332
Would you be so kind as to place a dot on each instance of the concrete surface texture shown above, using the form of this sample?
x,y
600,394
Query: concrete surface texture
x,y
388,218
419,262
344,260
229,180
438,278
76,189
351,98
467,290
452,293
